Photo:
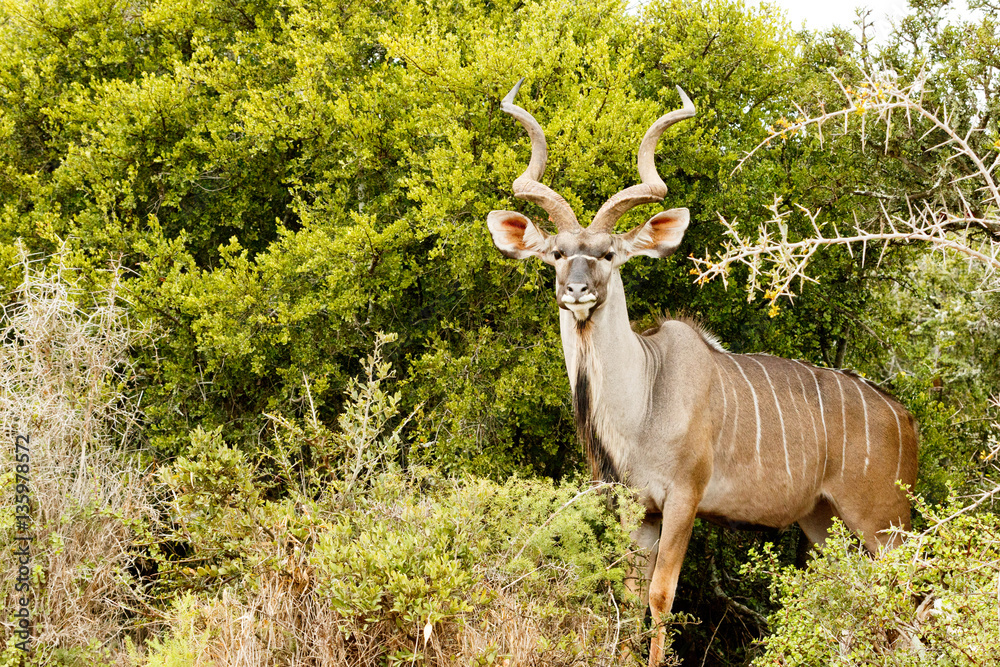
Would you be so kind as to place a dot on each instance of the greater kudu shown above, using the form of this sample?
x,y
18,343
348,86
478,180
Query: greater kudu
x,y
698,432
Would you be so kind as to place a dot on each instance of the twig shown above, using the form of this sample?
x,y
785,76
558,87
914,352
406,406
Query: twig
x,y
618,619
721,594
714,632
775,262
982,499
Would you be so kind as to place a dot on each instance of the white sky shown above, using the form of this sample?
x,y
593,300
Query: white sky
x,y
824,14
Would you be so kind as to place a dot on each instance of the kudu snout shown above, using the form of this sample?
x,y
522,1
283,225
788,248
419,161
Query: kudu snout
x,y
576,292
578,281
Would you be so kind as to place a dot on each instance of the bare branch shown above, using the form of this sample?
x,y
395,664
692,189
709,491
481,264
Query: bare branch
x,y
774,261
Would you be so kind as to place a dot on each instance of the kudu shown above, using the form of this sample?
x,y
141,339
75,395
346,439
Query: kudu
x,y
742,440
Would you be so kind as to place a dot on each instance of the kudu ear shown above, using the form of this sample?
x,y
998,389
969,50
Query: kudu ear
x,y
516,236
659,236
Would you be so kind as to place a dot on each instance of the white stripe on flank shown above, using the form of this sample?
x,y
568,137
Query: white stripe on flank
x,y
736,413
843,427
756,407
798,420
899,434
725,406
822,416
812,419
819,395
864,409
781,419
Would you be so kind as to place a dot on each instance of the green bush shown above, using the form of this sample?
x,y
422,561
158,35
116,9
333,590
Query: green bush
x,y
931,601
416,556
288,177
402,560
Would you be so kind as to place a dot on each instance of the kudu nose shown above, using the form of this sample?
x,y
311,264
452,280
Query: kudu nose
x,y
576,291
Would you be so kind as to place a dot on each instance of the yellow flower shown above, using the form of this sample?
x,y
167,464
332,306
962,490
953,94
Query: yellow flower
x,y
774,310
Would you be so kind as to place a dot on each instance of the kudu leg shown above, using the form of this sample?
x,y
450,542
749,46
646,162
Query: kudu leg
x,y
640,568
816,525
678,522
873,525
642,564
861,516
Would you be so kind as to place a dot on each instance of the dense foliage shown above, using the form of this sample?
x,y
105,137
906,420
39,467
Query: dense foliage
x,y
340,418
929,602
286,179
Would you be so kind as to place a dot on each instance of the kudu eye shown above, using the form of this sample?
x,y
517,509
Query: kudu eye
x,y
556,254
609,256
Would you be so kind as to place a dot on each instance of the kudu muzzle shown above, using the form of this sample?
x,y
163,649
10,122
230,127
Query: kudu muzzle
x,y
577,292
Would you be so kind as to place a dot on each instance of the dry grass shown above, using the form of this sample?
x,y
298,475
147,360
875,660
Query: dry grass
x,y
64,382
288,622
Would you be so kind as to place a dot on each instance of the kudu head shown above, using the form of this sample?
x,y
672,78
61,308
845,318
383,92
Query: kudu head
x,y
586,258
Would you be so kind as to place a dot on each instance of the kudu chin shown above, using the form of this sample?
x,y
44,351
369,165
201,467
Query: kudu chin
x,y
698,432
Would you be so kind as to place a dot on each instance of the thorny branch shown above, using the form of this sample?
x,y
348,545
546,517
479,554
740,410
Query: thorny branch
x,y
775,261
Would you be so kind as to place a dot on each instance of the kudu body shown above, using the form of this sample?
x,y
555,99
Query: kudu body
x,y
698,432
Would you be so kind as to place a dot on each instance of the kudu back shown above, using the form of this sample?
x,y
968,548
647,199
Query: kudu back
x,y
698,432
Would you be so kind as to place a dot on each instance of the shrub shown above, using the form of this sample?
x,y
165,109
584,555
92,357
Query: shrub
x,y
420,570
358,562
931,601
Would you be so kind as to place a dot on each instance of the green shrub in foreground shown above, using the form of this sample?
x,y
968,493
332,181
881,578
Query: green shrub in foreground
x,y
367,564
416,570
932,601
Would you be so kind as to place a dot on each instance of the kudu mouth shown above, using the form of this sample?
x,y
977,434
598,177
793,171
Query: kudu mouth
x,y
576,291
581,308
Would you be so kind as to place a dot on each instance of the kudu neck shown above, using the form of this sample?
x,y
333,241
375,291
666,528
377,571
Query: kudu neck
x,y
605,344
